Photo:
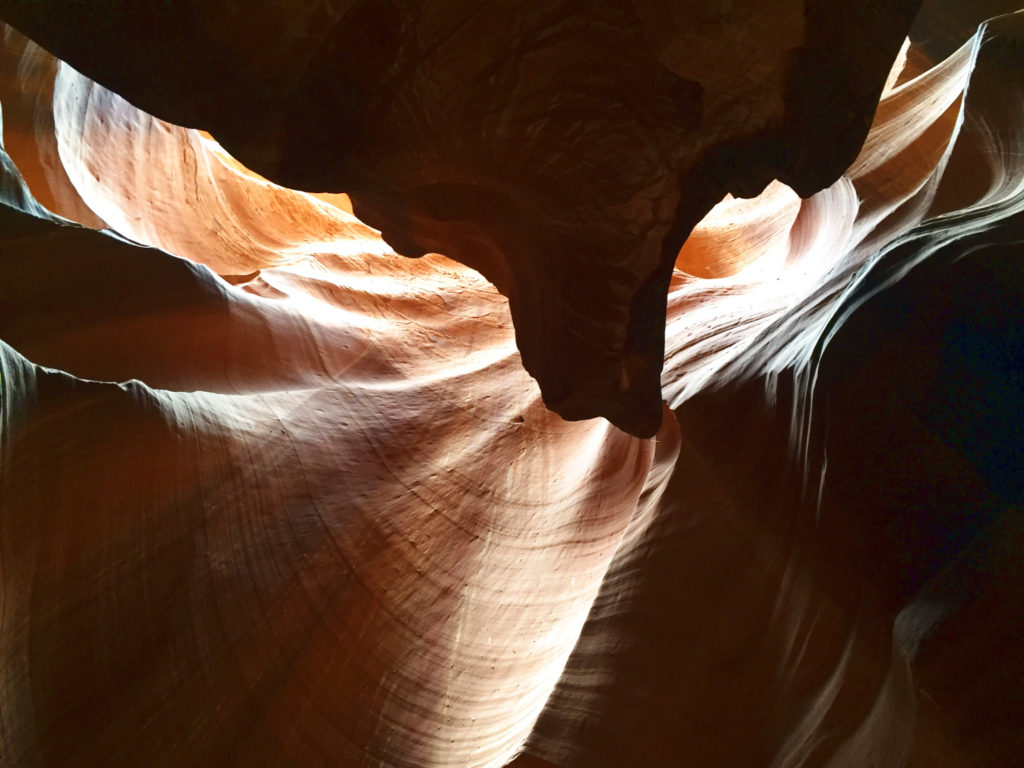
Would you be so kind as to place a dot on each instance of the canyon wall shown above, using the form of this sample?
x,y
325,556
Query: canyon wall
x,y
273,493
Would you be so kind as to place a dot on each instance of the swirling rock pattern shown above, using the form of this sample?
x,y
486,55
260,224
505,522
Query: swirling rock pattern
x,y
272,494
564,150
253,426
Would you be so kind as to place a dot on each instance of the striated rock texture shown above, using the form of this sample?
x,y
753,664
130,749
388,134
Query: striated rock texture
x,y
564,149
272,494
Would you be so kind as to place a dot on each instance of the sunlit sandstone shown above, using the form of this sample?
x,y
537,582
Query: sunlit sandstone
x,y
273,494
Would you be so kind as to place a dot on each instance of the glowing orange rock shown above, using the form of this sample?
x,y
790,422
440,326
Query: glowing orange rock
x,y
564,151
316,512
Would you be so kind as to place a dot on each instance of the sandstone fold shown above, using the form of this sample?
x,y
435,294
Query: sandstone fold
x,y
564,151
274,494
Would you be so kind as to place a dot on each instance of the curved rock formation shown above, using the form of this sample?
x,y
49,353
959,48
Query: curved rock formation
x,y
272,494
280,394
839,528
565,151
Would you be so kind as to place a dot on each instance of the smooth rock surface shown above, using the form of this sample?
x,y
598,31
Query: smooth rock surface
x,y
274,495
564,150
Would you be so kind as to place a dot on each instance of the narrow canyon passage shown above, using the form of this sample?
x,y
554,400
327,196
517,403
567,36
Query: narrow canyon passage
x,y
367,446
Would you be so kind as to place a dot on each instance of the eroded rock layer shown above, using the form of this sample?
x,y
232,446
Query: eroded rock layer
x,y
564,150
272,494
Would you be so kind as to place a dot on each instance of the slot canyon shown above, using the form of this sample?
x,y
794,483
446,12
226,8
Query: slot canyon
x,y
483,383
